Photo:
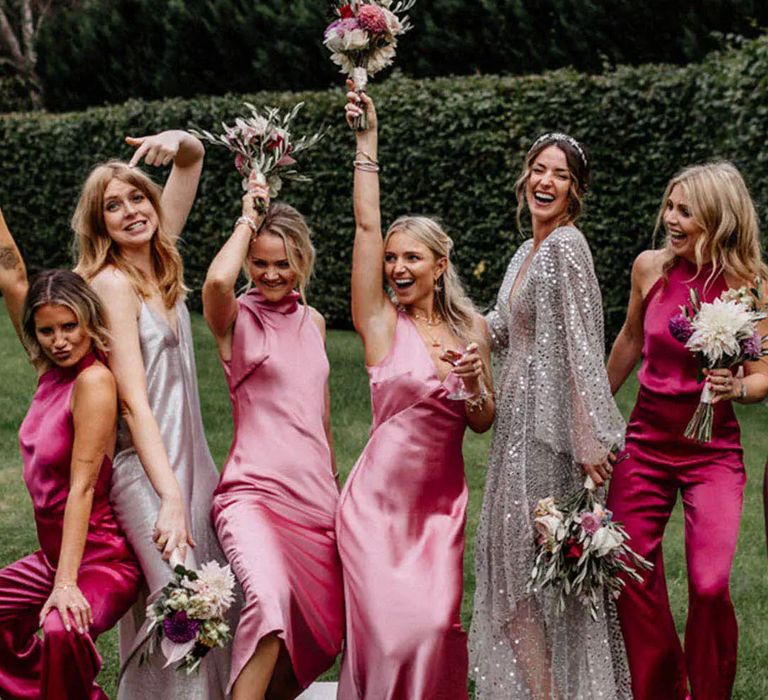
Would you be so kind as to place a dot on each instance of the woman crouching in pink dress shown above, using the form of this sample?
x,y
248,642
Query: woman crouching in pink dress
x,y
84,577
274,507
403,508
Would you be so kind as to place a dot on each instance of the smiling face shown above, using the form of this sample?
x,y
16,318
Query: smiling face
x,y
129,216
411,269
548,187
62,338
683,231
269,267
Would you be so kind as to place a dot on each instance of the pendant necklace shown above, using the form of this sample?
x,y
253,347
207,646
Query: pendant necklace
x,y
435,342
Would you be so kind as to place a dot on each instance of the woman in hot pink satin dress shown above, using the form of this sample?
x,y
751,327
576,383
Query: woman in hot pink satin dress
x,y
402,512
84,577
712,244
274,507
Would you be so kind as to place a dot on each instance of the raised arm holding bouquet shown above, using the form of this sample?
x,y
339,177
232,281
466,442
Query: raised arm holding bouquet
x,y
363,40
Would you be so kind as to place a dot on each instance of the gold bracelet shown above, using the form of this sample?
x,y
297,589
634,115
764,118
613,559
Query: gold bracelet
x,y
64,586
366,166
367,156
475,404
249,222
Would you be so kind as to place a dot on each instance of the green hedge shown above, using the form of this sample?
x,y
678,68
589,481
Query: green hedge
x,y
450,148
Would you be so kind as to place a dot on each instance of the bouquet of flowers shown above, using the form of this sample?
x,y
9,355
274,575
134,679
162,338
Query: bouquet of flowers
x,y
581,550
721,334
363,38
263,145
187,618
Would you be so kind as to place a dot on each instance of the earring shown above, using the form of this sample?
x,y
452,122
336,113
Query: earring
x,y
438,284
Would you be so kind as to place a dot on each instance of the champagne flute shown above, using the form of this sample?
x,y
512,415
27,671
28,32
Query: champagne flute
x,y
454,357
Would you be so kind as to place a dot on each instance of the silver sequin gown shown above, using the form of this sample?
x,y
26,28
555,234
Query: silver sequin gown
x,y
554,411
169,364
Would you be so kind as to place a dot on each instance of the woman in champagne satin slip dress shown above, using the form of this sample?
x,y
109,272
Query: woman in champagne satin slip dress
x,y
275,506
84,576
402,512
164,475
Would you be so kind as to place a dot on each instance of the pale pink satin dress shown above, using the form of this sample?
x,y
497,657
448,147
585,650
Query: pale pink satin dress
x,y
400,530
275,505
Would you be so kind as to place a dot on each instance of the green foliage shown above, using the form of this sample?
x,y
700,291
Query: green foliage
x,y
112,50
451,148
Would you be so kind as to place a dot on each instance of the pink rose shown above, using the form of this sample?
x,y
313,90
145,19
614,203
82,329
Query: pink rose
x,y
372,19
590,523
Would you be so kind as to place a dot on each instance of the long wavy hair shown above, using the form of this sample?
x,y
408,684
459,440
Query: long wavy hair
x,y
722,206
577,167
95,250
451,301
287,223
62,288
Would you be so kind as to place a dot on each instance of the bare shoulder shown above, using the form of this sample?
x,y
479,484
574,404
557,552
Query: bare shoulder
x,y
96,378
648,265
115,288
317,318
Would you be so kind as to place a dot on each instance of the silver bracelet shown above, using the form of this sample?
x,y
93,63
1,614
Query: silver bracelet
x,y
742,390
366,166
249,222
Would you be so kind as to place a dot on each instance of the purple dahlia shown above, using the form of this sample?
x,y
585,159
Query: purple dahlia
x,y
179,628
680,328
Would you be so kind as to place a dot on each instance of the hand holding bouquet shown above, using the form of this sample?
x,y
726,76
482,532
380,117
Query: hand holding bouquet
x,y
263,146
188,616
581,550
363,38
722,334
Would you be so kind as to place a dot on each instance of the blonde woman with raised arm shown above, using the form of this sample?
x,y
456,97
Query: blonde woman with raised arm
x,y
402,512
126,228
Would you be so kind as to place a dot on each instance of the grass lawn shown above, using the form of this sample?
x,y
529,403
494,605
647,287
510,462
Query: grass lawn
x,y
351,417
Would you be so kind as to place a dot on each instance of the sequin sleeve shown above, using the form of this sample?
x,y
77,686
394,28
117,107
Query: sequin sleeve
x,y
574,410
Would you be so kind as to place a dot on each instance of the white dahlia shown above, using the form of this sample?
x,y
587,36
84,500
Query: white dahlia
x,y
717,329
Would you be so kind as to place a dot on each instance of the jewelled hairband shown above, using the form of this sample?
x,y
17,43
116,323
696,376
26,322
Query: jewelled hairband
x,y
557,136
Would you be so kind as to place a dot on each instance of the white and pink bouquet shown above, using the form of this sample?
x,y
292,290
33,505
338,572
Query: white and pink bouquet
x,y
722,334
188,617
263,144
581,551
363,38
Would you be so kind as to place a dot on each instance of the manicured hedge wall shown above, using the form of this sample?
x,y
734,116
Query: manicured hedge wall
x,y
450,147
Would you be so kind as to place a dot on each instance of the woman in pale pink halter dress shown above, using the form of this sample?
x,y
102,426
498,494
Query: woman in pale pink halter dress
x,y
402,512
274,507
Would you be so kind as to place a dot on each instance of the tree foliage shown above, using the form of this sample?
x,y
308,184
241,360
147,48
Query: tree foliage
x,y
111,50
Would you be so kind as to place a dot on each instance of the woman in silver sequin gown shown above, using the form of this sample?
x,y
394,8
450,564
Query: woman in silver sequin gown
x,y
164,476
555,421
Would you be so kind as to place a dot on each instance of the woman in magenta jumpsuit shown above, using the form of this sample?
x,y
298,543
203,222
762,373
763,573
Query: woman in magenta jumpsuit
x,y
402,512
275,505
84,576
711,245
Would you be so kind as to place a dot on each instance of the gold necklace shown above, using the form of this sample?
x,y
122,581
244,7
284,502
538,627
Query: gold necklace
x,y
436,343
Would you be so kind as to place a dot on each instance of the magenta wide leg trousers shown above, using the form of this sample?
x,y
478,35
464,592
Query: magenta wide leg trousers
x,y
642,494
62,665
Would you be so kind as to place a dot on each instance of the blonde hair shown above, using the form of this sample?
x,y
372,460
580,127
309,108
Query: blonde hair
x,y
285,222
95,249
721,204
578,169
451,301
62,288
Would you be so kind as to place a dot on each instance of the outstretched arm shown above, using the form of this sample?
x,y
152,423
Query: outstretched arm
x,y
187,153
372,311
13,275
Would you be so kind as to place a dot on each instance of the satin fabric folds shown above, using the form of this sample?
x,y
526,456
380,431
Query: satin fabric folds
x,y
63,664
401,536
274,508
710,479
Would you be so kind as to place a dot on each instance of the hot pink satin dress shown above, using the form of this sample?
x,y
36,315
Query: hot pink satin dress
x,y
274,508
400,529
62,665
710,479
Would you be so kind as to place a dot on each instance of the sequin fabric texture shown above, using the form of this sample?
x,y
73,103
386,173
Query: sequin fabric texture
x,y
554,412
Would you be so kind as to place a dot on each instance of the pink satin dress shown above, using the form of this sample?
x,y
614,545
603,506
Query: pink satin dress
x,y
710,479
400,528
275,505
62,665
